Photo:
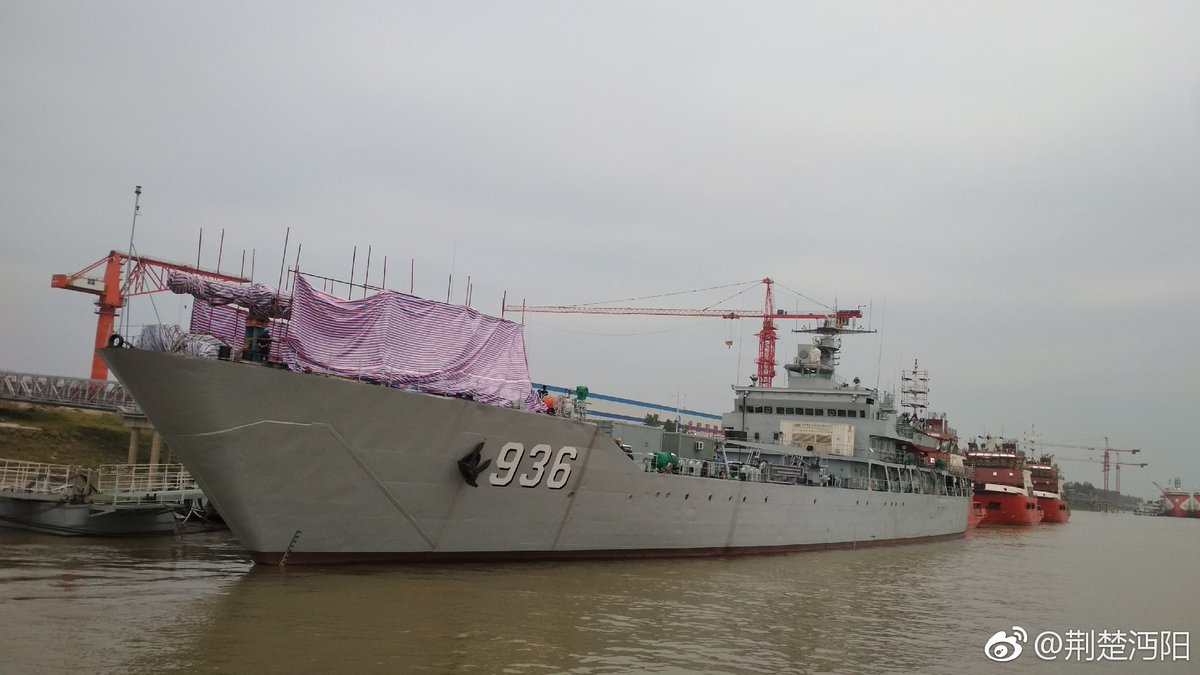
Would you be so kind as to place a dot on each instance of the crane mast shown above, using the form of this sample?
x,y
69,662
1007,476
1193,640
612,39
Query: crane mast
x,y
143,275
767,339
1107,463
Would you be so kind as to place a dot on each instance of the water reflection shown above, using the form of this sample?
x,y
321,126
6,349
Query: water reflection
x,y
197,605
796,613
69,603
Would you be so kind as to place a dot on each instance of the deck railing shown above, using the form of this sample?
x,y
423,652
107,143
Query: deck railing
x,y
793,475
703,468
142,483
37,477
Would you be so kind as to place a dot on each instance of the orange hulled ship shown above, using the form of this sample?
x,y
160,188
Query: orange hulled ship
x,y
1003,483
1047,488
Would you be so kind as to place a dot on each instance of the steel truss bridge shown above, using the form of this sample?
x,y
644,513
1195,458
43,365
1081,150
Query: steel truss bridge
x,y
72,392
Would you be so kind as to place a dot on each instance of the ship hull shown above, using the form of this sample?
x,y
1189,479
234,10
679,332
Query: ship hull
x,y
1055,510
976,514
1003,509
1175,505
306,468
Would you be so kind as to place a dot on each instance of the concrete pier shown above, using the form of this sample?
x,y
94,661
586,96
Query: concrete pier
x,y
138,423
134,440
155,448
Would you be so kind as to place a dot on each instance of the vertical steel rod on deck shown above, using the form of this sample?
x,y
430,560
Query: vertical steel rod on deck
x,y
220,250
282,262
296,269
367,274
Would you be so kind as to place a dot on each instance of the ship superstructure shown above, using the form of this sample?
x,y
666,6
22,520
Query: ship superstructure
x,y
841,432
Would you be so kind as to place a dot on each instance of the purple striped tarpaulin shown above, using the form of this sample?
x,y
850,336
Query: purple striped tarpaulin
x,y
228,324
251,296
405,341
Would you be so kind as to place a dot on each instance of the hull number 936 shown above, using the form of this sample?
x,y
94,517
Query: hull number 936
x,y
554,474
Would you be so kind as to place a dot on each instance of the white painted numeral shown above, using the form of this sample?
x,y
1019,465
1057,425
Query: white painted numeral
x,y
510,458
560,473
539,465
507,461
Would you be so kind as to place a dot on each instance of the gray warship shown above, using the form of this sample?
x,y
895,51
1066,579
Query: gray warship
x,y
310,467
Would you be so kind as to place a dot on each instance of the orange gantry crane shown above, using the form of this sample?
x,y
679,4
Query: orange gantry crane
x,y
1106,461
766,337
145,275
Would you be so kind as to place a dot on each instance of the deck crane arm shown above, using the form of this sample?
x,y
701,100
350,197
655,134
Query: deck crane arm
x,y
766,337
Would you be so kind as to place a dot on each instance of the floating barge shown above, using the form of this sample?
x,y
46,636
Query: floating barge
x,y
111,500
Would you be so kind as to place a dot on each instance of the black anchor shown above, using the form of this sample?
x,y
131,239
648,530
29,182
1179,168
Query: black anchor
x,y
470,467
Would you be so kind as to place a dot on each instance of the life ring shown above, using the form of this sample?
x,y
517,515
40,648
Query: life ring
x,y
115,340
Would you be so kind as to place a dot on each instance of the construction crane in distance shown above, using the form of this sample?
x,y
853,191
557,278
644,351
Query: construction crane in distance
x,y
766,337
144,276
1118,465
1107,450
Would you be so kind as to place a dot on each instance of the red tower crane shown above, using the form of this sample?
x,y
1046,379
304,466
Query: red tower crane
x,y
766,337
146,275
1107,461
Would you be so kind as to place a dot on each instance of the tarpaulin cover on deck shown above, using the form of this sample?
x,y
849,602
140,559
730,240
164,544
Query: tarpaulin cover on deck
x,y
406,341
256,297
229,324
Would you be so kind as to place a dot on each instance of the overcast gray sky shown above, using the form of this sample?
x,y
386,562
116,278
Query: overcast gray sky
x,y
1011,188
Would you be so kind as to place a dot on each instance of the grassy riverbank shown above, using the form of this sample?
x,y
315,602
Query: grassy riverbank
x,y
64,436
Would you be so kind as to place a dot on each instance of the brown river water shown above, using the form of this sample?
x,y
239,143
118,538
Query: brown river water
x,y
195,604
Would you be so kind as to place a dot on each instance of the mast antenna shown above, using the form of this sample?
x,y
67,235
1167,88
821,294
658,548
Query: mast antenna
x,y
137,198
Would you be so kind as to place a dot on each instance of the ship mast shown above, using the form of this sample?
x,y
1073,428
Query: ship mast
x,y
914,390
822,361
